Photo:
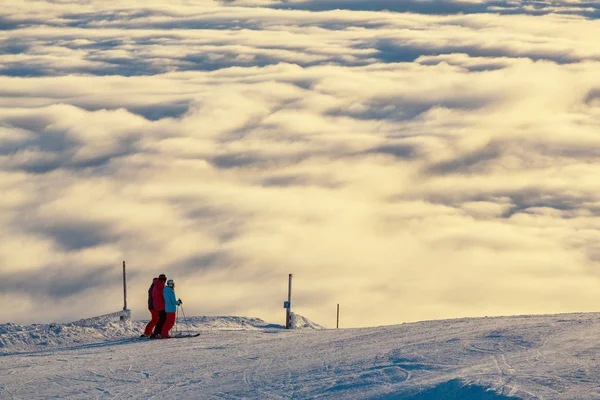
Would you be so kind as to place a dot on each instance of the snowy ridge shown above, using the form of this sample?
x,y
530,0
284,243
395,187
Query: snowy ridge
x,y
106,327
88,330
110,327
18,337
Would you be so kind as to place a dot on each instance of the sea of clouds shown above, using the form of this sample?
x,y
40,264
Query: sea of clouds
x,y
407,159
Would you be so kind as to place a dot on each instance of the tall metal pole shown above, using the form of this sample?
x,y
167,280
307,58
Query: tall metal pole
x,y
288,315
124,287
337,325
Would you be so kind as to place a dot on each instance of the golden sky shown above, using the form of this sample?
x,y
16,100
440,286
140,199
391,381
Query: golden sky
x,y
408,160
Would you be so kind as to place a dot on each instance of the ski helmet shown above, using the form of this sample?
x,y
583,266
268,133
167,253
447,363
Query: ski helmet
x,y
162,277
170,283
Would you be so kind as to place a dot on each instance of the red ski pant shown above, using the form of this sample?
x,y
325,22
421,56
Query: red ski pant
x,y
168,324
152,322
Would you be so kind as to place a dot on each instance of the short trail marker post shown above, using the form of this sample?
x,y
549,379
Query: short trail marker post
x,y
288,305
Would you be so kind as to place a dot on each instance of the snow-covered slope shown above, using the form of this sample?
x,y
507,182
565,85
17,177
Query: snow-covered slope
x,y
17,337
529,357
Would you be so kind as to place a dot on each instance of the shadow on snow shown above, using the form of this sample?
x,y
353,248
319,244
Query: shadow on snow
x,y
451,390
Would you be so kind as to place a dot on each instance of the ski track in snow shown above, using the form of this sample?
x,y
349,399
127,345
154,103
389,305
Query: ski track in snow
x,y
529,357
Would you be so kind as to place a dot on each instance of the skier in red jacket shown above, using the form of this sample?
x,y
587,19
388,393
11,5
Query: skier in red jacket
x,y
153,312
158,300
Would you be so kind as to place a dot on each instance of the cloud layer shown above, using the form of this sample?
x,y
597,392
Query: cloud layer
x,y
408,161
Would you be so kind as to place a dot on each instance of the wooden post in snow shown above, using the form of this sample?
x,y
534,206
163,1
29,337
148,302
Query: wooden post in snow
x,y
288,305
124,287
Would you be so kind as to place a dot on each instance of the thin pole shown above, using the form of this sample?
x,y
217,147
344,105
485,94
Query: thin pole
x,y
184,319
124,287
288,315
337,326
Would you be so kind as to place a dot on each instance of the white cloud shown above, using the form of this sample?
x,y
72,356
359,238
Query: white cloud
x,y
408,165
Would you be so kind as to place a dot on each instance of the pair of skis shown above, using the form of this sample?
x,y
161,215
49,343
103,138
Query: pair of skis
x,y
189,335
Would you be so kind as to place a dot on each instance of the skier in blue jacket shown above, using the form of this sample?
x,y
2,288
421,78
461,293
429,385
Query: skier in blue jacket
x,y
171,303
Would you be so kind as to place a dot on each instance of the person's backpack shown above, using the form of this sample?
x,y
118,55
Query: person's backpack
x,y
150,301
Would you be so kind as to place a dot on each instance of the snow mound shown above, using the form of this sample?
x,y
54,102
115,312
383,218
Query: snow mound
x,y
55,335
300,322
225,323
124,315
109,327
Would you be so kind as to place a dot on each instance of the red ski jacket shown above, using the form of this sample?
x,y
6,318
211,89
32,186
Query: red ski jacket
x,y
158,297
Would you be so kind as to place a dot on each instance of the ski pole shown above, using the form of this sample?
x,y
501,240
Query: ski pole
x,y
184,319
176,318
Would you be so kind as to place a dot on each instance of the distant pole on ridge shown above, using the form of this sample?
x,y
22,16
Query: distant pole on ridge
x,y
337,325
124,287
288,305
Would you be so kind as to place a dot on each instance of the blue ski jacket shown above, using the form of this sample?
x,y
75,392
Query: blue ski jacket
x,y
171,302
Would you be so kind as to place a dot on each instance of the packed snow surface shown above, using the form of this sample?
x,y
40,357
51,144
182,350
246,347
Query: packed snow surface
x,y
528,357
